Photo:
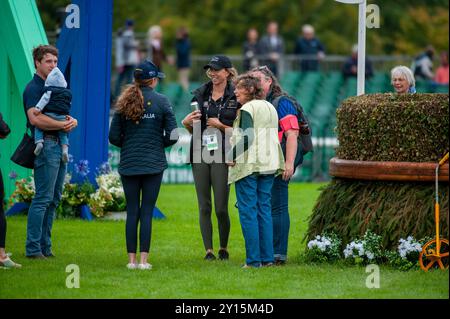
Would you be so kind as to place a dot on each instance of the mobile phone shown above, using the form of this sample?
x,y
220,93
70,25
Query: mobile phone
x,y
194,107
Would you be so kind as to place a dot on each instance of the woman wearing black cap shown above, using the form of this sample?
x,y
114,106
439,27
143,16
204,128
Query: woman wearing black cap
x,y
141,127
217,111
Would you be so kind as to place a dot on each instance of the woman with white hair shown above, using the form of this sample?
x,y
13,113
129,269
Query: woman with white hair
x,y
402,79
155,46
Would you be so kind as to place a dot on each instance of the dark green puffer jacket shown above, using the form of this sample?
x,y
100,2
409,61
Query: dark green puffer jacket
x,y
142,143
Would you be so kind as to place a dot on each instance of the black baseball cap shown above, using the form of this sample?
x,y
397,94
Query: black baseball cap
x,y
147,70
219,62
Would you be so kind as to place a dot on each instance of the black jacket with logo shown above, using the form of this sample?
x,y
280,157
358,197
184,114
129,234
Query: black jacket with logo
x,y
227,114
142,143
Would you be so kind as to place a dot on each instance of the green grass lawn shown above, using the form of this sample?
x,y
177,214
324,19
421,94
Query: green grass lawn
x,y
179,271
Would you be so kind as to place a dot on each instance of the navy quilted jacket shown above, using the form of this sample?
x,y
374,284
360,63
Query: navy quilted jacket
x,y
142,144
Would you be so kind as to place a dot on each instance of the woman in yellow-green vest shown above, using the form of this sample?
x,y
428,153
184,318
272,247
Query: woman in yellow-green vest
x,y
255,159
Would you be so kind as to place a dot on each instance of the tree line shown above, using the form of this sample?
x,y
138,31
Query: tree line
x,y
406,26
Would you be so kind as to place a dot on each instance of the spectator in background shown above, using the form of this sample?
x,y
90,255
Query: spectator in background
x,y
142,52
423,65
127,55
155,47
350,68
272,47
442,71
402,79
308,44
183,50
251,50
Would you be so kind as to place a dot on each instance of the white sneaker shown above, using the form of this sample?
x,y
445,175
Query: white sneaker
x,y
145,266
131,266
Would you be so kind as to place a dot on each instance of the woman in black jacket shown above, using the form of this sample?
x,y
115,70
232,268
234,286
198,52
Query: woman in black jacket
x,y
217,111
5,261
142,128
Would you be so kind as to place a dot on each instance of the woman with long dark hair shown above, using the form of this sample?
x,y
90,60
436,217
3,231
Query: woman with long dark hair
x,y
288,134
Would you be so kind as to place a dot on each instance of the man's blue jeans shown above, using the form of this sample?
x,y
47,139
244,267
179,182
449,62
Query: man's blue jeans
x,y
254,204
49,173
280,217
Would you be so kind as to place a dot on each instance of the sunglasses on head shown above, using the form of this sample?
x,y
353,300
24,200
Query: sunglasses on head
x,y
265,70
263,67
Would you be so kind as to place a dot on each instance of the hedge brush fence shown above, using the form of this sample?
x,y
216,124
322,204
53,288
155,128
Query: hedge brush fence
x,y
386,128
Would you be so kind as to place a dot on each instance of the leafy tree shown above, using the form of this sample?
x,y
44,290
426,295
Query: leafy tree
x,y
220,26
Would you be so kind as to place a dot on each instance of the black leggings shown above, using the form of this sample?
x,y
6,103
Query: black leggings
x,y
2,213
140,209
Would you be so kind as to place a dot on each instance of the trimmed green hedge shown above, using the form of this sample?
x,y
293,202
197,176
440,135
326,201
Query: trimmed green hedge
x,y
386,127
391,127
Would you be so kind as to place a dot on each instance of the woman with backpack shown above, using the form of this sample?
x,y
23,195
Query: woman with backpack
x,y
288,131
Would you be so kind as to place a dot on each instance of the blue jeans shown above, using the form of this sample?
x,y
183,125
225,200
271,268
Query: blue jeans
x,y
49,173
254,196
280,217
63,137
280,210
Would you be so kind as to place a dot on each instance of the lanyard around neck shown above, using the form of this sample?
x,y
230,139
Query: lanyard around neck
x,y
219,104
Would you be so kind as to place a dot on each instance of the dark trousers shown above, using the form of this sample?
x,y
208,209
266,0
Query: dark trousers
x,y
141,193
2,213
213,175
